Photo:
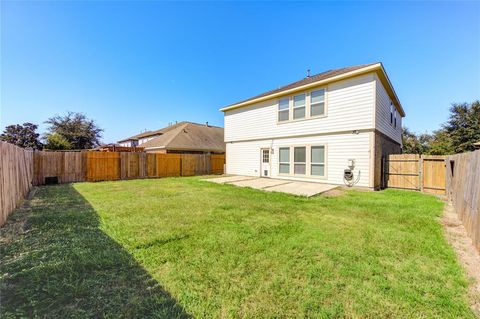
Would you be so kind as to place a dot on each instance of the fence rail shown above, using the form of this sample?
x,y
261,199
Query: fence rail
x,y
463,190
20,169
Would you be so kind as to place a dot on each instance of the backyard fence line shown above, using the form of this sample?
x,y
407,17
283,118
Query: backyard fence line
x,y
104,166
20,169
463,190
16,175
93,166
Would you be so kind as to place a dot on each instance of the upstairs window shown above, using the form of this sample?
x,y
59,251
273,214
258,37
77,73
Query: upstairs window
x,y
391,113
299,106
299,160
284,160
317,161
317,103
283,110
395,118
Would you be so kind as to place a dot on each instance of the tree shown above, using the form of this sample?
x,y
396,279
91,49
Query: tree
x,y
412,143
463,126
56,142
22,135
79,131
440,143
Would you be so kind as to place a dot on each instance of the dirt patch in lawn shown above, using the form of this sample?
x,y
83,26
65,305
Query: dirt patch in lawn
x,y
468,256
335,192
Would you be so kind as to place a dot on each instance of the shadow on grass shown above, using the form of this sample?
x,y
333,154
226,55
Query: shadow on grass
x,y
59,264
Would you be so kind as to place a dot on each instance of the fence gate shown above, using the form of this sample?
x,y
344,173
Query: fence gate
x,y
424,173
433,174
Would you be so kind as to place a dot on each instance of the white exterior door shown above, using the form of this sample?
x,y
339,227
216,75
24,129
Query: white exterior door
x,y
265,162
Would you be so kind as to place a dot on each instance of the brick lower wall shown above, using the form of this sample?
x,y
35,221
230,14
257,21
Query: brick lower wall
x,y
383,146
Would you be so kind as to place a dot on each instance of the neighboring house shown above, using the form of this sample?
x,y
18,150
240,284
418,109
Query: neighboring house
x,y
182,137
315,128
139,139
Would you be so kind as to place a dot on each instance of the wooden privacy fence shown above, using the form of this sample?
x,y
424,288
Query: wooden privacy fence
x,y
103,166
95,166
20,169
16,174
424,173
463,190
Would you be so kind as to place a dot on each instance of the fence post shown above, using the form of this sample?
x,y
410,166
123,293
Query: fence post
x,y
384,172
181,164
209,163
420,173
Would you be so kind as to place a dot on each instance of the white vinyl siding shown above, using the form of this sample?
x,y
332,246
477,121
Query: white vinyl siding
x,y
243,158
349,106
385,109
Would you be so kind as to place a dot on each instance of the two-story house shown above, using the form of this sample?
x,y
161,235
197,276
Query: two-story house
x,y
316,128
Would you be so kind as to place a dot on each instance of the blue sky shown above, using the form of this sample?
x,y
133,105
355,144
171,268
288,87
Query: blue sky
x,y
139,65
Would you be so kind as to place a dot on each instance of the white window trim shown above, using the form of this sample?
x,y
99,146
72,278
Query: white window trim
x,y
391,113
324,104
263,155
318,163
289,160
308,173
300,163
307,106
395,118
304,106
288,110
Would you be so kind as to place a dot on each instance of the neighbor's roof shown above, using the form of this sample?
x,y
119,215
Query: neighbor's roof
x,y
150,133
323,78
189,136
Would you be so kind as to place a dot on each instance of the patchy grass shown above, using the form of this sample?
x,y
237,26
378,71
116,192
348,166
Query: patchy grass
x,y
181,246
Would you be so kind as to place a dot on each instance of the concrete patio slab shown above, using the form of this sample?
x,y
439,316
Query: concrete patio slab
x,y
260,183
229,179
275,185
301,188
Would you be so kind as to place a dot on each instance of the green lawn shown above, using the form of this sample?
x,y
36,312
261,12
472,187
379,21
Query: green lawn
x,y
180,247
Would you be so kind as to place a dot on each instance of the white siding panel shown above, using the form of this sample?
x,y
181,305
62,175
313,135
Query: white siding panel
x,y
243,158
383,114
350,106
